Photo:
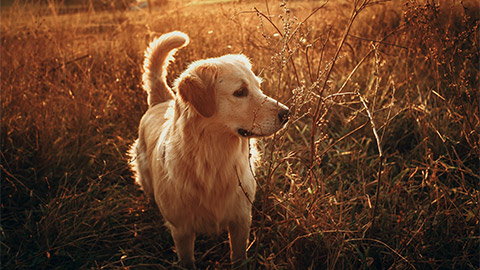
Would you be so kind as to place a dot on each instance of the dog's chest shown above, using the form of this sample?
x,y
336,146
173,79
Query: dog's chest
x,y
211,190
203,184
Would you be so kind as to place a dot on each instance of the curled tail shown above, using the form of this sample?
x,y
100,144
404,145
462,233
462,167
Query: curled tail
x,y
157,57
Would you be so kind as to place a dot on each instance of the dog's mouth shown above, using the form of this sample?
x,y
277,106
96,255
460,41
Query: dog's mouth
x,y
245,133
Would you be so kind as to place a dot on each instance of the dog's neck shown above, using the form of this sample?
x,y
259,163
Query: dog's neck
x,y
197,130
206,147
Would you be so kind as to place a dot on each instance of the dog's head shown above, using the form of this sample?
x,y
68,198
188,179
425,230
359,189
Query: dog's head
x,y
227,93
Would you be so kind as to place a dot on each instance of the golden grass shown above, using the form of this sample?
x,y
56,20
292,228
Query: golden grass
x,y
377,169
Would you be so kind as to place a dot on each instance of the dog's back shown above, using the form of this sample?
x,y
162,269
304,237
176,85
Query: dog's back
x,y
157,58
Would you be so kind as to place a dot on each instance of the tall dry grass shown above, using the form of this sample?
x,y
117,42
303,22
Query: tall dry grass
x,y
378,167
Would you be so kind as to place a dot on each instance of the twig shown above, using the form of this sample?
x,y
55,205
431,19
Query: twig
x,y
377,138
335,57
308,17
269,20
380,42
266,5
69,62
241,186
385,245
317,109
342,138
380,156
284,36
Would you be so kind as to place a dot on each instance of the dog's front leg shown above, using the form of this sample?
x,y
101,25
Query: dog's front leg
x,y
238,233
184,243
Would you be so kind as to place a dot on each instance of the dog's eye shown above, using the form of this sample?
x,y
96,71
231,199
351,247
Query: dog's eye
x,y
242,92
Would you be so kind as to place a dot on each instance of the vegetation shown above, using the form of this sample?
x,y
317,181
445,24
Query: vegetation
x,y
377,169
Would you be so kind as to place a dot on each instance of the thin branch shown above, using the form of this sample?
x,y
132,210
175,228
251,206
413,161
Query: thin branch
x,y
69,62
377,138
380,156
380,42
269,20
385,245
241,186
308,17
317,109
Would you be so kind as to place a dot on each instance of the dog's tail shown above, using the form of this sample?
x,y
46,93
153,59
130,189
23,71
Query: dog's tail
x,y
157,57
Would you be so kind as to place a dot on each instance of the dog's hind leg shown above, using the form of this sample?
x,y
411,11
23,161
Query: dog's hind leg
x,y
184,243
139,163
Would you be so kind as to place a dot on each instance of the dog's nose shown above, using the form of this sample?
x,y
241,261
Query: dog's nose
x,y
283,115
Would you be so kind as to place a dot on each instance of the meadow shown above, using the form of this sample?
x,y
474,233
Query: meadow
x,y
378,167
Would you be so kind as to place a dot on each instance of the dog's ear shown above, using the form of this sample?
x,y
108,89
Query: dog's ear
x,y
198,89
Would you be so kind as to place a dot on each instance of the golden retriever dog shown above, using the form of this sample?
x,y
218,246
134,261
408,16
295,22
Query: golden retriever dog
x,y
195,148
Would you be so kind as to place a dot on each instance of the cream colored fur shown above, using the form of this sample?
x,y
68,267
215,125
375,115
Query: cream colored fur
x,y
195,149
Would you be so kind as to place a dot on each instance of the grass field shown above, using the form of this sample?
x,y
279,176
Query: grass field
x,y
378,168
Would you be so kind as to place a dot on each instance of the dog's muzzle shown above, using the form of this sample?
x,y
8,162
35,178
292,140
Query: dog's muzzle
x,y
283,116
